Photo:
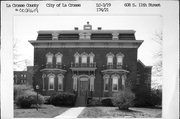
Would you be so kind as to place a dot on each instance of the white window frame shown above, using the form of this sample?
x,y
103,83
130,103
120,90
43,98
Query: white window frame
x,y
60,77
76,56
110,55
106,77
84,57
91,58
92,83
51,75
120,58
113,83
58,58
49,57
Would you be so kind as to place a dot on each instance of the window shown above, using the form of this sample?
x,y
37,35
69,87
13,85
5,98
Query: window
x,y
123,80
110,58
24,75
106,82
75,83
51,81
58,58
49,57
114,83
92,83
76,55
120,57
60,82
91,58
43,81
84,58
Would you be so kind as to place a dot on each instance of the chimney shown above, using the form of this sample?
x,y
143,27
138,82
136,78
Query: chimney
x,y
99,28
75,28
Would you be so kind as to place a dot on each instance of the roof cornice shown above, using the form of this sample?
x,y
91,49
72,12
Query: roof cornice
x,y
86,43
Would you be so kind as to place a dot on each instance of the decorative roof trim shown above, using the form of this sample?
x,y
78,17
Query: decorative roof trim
x,y
87,44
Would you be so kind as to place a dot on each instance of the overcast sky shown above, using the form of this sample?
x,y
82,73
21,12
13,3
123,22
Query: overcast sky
x,y
26,27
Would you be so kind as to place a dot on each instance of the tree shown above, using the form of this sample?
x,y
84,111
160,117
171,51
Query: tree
x,y
20,62
158,54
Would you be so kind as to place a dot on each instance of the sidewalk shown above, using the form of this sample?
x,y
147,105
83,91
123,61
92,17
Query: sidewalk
x,y
71,113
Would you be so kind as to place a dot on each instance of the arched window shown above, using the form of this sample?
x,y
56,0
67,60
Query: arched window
x,y
92,83
58,58
49,57
120,57
51,81
115,81
110,57
84,58
91,58
60,82
76,56
106,82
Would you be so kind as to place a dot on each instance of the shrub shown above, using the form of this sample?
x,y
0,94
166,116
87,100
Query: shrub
x,y
20,89
47,100
123,99
63,99
107,102
29,98
94,102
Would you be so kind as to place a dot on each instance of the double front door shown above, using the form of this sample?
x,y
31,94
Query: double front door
x,y
83,87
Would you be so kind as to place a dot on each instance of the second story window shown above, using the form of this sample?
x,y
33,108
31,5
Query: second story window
x,y
91,58
49,57
84,58
58,58
120,57
110,58
76,56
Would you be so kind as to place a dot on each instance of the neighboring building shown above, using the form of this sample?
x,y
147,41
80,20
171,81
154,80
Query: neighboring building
x,y
24,77
97,62
143,75
20,77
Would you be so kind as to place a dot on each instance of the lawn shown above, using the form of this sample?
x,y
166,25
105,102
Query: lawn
x,y
113,112
45,111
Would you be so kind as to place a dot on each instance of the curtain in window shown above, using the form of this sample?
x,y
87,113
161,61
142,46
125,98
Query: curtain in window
x,y
60,82
51,82
115,83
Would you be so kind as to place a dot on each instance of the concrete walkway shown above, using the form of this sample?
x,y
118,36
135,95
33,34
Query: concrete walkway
x,y
71,113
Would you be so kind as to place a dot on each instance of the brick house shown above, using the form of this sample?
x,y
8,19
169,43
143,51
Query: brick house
x,y
20,77
24,77
89,62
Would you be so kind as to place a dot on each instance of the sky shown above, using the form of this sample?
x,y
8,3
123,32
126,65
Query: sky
x,y
26,27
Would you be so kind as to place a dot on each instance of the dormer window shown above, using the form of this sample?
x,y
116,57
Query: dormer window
x,y
49,57
84,58
58,58
110,58
91,58
76,55
120,57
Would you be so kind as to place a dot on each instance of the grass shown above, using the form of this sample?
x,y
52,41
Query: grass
x,y
45,111
114,112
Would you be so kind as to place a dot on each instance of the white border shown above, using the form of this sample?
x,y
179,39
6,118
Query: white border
x,y
169,12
